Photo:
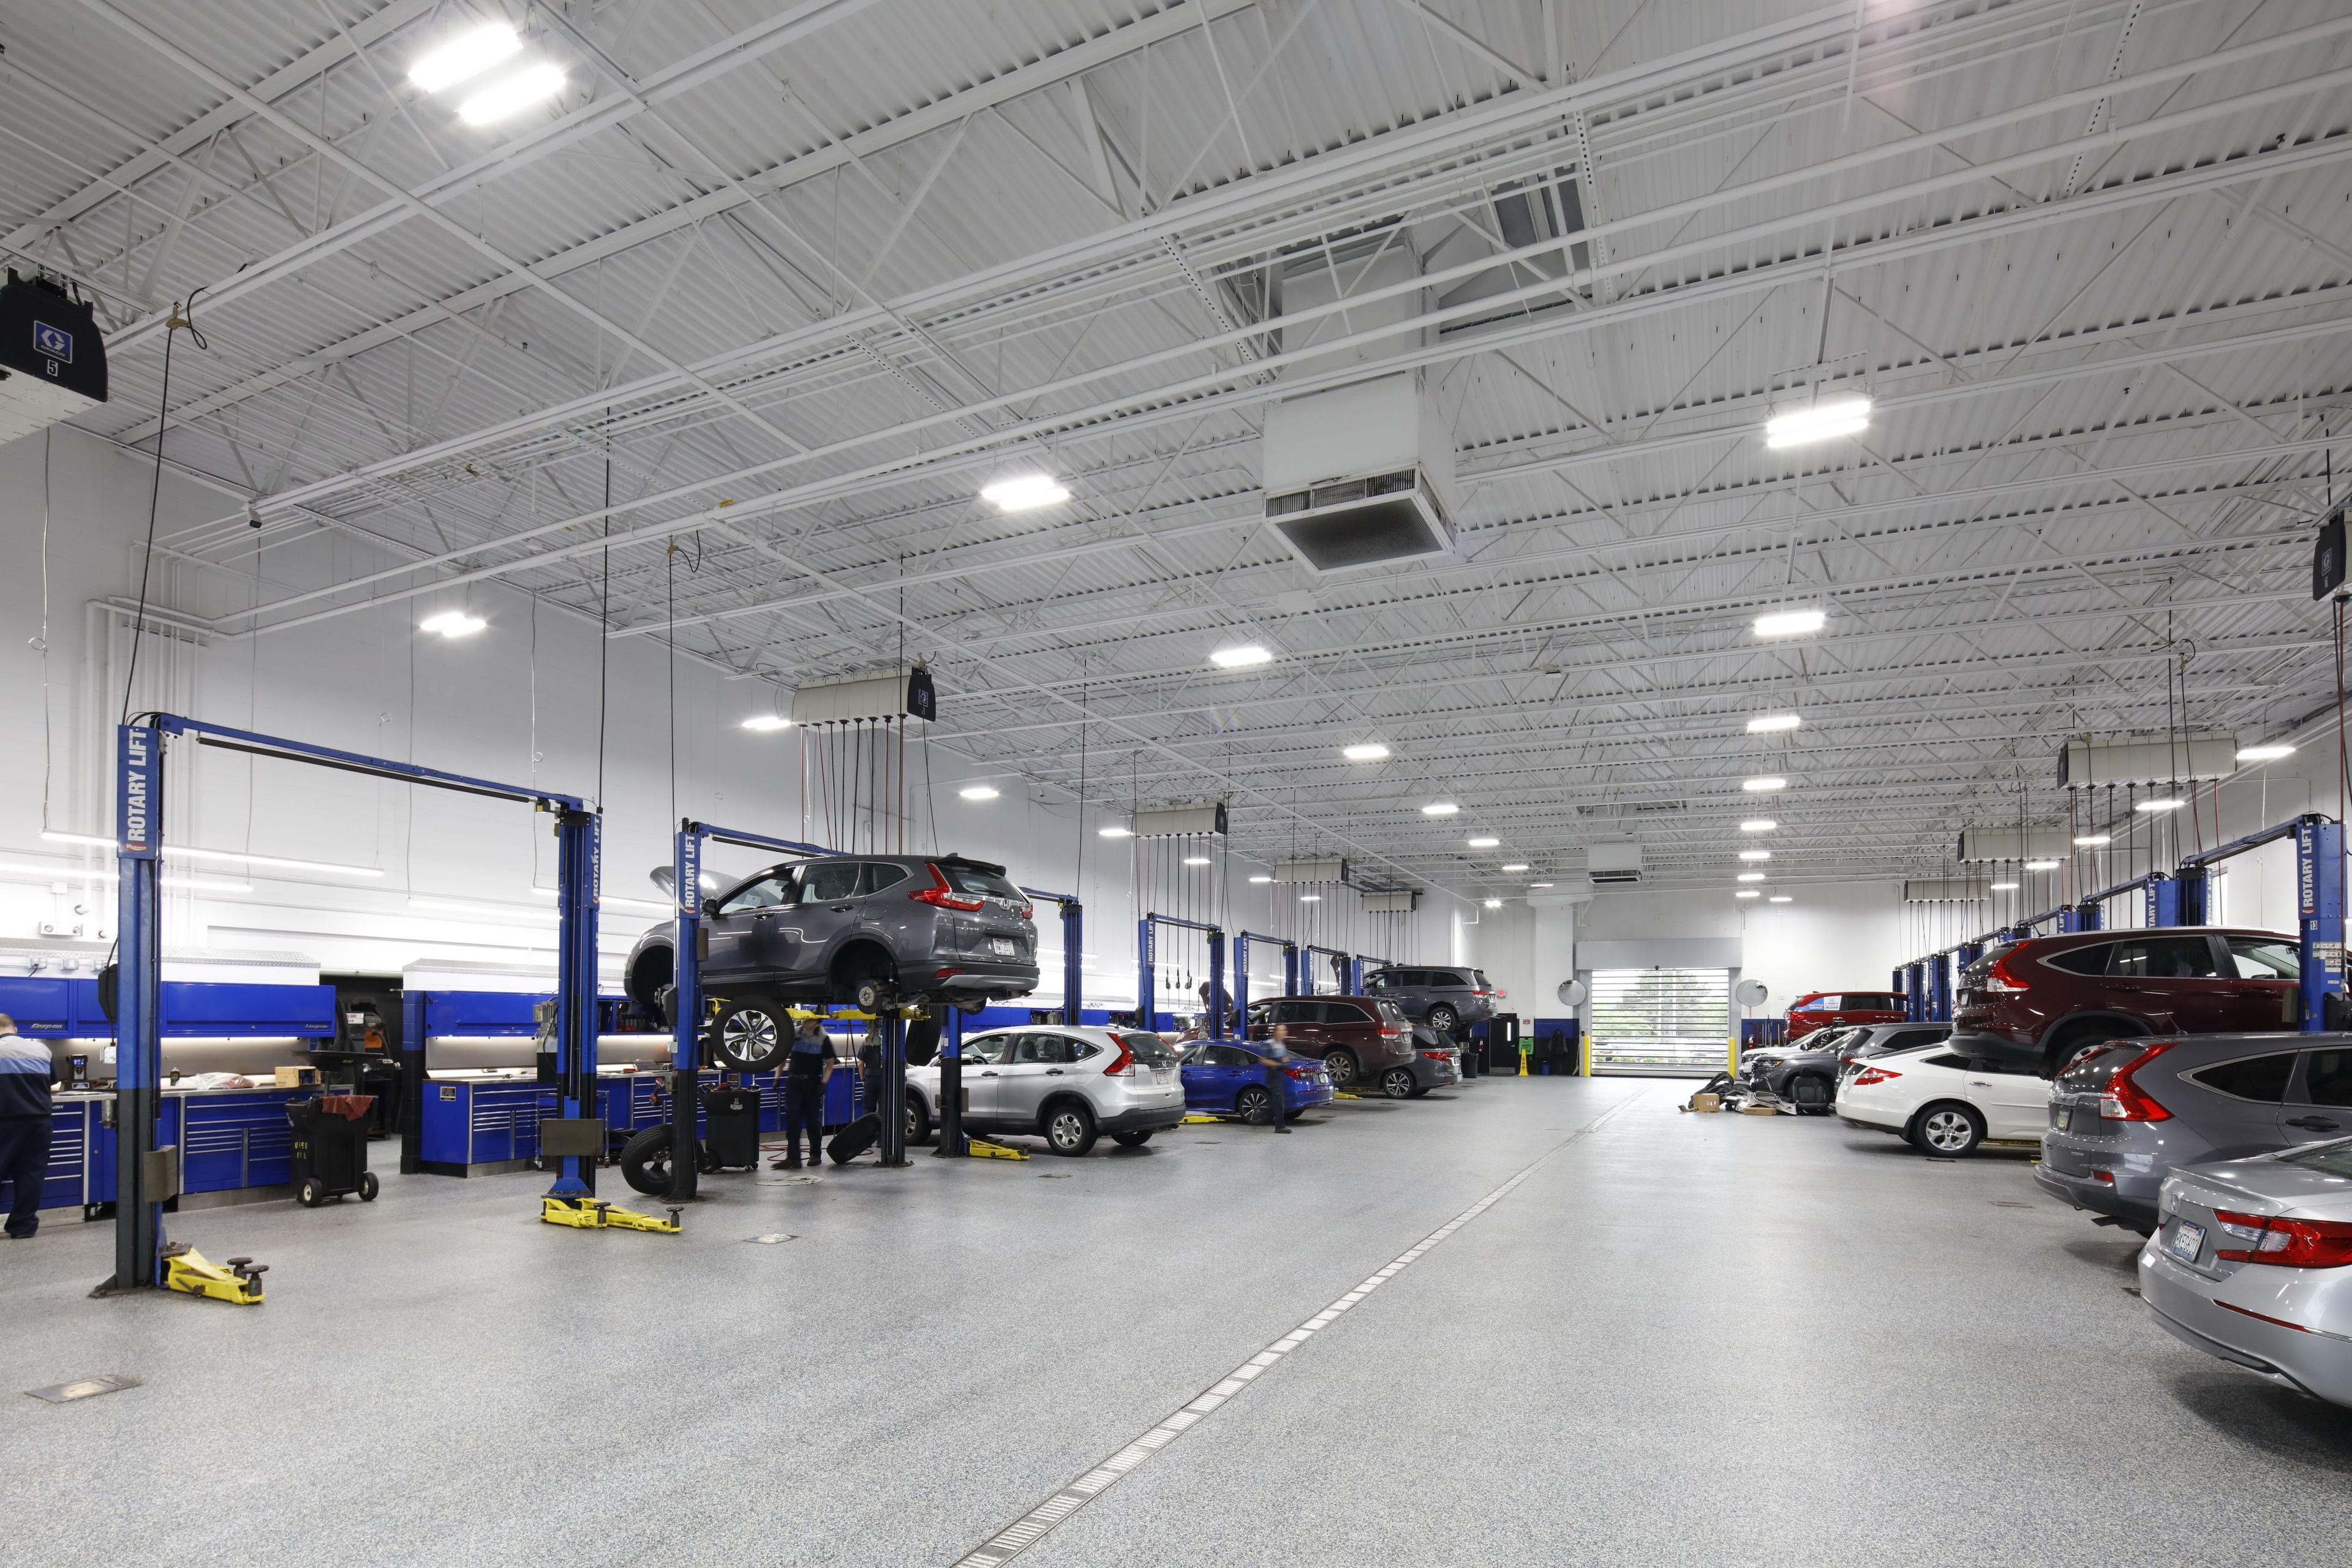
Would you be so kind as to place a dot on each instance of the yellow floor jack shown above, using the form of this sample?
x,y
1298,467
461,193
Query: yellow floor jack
x,y
237,1282
1202,1121
587,1214
981,1148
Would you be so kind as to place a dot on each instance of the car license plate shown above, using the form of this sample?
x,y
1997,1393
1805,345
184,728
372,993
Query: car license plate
x,y
1004,945
2186,1240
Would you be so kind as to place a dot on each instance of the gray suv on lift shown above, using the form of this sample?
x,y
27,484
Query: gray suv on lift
x,y
1450,999
877,931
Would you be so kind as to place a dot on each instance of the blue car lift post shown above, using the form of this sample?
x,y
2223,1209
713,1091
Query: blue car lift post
x,y
686,1004
1074,953
1339,968
1146,930
1241,969
2319,902
142,1171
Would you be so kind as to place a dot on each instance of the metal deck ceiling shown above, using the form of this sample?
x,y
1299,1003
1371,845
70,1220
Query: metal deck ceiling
x,y
808,274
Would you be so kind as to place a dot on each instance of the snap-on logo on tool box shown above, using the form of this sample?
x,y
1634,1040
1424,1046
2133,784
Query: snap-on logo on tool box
x,y
52,343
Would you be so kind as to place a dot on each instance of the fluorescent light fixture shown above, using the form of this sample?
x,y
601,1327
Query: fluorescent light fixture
x,y
465,56
1440,809
2091,840
485,911
1747,893
1494,903
1486,843
1242,656
1756,854
1802,426
1789,622
2042,864
2264,753
1538,884
1758,824
1196,860
2004,887
1365,751
1025,492
2160,806
1752,876
1779,898
451,624
69,874
512,95
1763,785
1310,898
1766,723
978,792
1261,880
188,852
611,902
764,722
1114,831
1518,866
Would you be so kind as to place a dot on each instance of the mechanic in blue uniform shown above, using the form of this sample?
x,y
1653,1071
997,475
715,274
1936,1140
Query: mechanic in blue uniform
x,y
24,1068
806,1067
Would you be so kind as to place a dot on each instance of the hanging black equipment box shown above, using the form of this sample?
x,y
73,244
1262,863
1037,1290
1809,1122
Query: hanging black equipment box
x,y
2327,556
52,360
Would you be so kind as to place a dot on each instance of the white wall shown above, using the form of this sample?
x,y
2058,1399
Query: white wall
x,y
513,703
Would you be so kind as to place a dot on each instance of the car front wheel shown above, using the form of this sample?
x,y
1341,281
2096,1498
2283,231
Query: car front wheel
x,y
1949,1128
750,1040
1135,1139
1397,1083
919,1125
1069,1130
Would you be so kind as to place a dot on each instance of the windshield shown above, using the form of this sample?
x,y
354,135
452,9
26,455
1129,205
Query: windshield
x,y
1149,1049
2335,1159
983,880
1390,1014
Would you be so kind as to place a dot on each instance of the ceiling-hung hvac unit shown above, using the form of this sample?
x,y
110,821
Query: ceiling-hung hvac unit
x,y
1360,475
52,360
1613,865
1397,903
1943,891
1332,870
2013,844
2147,759
1180,821
876,694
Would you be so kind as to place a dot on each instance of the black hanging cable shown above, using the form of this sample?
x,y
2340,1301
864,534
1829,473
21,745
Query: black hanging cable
x,y
605,613
669,661
180,320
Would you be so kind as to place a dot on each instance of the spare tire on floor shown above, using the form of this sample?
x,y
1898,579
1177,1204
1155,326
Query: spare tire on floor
x,y
645,1160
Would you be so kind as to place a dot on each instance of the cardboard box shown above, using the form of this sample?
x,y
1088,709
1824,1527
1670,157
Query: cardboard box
x,y
1706,1102
1759,1111
298,1078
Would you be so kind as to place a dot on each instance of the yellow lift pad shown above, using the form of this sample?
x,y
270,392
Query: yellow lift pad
x,y
588,1213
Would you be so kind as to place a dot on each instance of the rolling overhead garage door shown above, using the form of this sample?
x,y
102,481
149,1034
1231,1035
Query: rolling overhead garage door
x,y
1660,1021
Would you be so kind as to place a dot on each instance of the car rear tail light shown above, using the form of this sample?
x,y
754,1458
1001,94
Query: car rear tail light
x,y
1437,1056
2288,1243
946,897
2125,1100
1391,1034
1120,1063
1303,1074
1869,1075
2001,979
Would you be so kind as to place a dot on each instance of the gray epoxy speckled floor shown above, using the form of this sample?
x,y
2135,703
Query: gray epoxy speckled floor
x,y
1682,1340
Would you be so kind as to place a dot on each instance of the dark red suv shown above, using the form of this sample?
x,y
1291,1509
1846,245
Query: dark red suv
x,y
1824,1008
2033,1004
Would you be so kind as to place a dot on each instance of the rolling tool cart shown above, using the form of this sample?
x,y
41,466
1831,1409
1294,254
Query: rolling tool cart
x,y
330,1155
731,1128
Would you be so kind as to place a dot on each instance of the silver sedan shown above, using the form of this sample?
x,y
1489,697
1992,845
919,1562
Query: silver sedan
x,y
2252,1262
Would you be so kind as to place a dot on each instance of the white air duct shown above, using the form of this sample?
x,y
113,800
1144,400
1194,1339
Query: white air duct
x,y
876,694
1613,865
1397,903
2090,761
1180,821
1332,870
2013,844
1360,475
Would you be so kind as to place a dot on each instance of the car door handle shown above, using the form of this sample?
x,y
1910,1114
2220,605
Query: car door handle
x,y
1056,1072
841,909
988,1075
2316,1123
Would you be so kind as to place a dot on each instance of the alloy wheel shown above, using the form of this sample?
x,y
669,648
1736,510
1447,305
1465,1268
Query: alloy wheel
x,y
1947,1131
748,1035
1065,1129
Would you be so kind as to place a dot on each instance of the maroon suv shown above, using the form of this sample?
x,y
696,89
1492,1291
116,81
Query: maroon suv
x,y
2033,1004
1364,1041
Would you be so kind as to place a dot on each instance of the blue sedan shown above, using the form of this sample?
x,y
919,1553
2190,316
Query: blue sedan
x,y
1227,1078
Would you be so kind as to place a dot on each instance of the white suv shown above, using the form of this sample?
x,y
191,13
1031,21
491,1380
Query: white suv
x,y
1066,1084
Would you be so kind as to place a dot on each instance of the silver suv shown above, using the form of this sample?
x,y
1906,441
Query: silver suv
x,y
1066,1086
873,929
1449,999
